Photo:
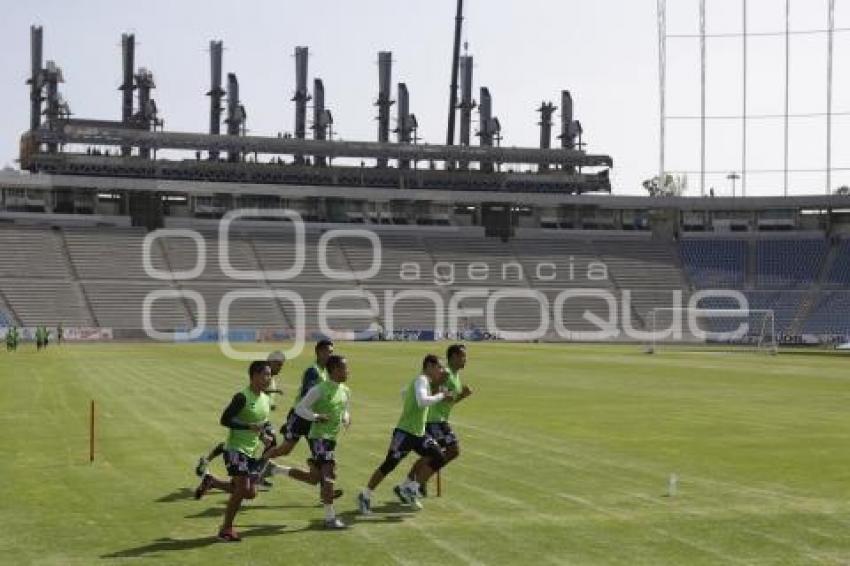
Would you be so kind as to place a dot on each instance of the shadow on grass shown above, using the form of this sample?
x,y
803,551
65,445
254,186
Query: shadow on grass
x,y
219,511
171,545
179,494
390,513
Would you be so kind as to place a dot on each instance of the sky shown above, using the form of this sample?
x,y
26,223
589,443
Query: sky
x,y
526,51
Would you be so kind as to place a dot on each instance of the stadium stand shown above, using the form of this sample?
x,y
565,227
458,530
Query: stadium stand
x,y
829,315
73,283
775,271
715,264
839,275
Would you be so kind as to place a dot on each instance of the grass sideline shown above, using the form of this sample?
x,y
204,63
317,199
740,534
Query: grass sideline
x,y
566,451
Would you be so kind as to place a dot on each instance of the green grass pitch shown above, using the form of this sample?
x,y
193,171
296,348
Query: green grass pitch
x,y
566,453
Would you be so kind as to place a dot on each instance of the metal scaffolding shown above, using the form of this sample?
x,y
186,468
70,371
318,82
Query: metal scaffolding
x,y
745,117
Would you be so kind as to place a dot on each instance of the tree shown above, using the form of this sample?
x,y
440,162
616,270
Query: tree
x,y
843,190
673,186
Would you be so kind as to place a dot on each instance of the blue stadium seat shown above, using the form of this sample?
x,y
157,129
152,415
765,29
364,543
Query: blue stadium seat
x,y
789,264
715,264
839,275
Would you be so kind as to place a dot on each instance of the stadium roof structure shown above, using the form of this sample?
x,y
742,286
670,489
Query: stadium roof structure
x,y
10,179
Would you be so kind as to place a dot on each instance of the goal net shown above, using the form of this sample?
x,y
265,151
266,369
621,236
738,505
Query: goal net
x,y
747,329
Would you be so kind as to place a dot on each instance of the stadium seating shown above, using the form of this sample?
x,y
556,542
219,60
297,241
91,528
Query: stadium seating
x,y
94,276
47,301
114,255
775,271
830,314
715,264
32,253
839,274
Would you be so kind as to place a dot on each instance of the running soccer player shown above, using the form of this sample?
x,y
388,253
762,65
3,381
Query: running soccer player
x,y
326,406
12,339
437,424
409,434
275,360
295,426
245,417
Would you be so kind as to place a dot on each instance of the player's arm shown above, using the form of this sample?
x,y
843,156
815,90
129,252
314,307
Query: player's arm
x,y
309,380
346,416
424,398
228,417
304,408
464,393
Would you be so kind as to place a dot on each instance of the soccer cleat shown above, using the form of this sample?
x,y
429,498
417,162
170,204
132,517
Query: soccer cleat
x,y
201,468
364,505
412,496
402,494
204,486
228,535
266,483
335,524
338,493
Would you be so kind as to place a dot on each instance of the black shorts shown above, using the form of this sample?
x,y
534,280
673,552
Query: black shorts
x,y
295,427
322,451
240,464
403,442
442,433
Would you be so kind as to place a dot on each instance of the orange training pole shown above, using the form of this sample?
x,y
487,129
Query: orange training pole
x,y
439,484
91,433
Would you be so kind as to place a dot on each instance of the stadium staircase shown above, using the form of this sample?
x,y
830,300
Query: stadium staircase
x,y
814,293
7,312
69,263
36,281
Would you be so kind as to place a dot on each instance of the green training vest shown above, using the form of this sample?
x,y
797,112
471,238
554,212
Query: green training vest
x,y
439,413
332,402
255,411
413,416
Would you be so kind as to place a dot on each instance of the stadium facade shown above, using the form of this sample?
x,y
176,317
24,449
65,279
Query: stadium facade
x,y
480,239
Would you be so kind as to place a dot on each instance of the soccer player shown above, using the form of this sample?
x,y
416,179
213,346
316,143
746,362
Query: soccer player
x,y
437,423
60,333
275,360
326,406
409,434
12,339
296,426
245,417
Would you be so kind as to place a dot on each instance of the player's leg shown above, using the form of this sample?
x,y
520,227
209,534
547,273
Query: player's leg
x,y
204,461
244,472
209,482
292,430
400,446
323,462
241,490
448,441
442,434
428,448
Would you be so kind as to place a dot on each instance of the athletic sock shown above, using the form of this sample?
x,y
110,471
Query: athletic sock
x,y
367,493
280,470
330,514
